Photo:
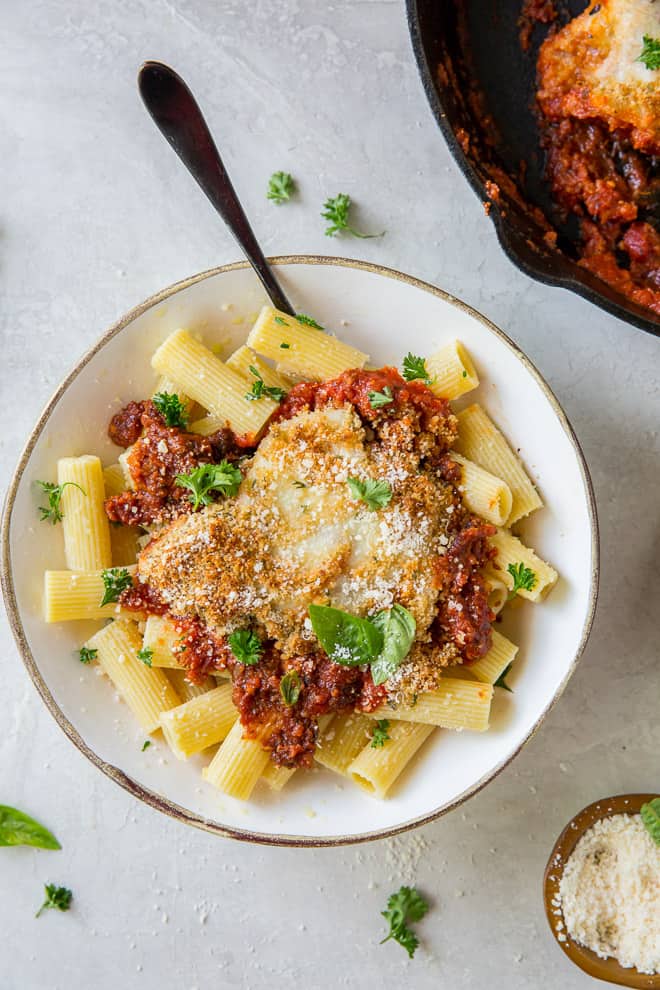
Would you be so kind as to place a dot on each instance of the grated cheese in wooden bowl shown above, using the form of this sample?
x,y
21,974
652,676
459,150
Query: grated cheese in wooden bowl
x,y
610,893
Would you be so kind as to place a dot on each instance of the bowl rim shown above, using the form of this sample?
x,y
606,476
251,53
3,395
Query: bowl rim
x,y
160,802
608,969
627,312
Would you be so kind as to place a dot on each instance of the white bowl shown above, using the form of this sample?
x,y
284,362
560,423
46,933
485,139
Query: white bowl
x,y
386,314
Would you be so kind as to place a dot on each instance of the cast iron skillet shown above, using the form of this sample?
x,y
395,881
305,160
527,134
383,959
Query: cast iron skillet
x,y
466,47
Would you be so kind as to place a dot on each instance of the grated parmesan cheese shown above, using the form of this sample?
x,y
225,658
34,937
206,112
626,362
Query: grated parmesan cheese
x,y
610,893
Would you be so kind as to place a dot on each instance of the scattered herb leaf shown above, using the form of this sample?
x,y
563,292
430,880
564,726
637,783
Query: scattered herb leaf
x,y
86,655
285,347
309,321
501,680
524,579
115,580
171,408
282,322
650,54
403,908
414,368
145,745
374,493
290,686
259,388
56,897
379,736
299,484
280,187
398,627
52,512
347,639
18,829
146,655
209,479
335,211
379,399
246,646
650,813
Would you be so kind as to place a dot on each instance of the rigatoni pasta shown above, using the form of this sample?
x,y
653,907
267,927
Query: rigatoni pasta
x,y
84,523
305,486
147,692
481,441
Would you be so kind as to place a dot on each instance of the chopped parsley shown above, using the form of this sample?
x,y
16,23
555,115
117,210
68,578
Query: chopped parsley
x,y
403,908
246,646
650,53
52,512
651,819
335,211
375,493
145,745
209,479
171,408
56,897
415,368
379,736
524,579
379,399
259,388
290,686
501,680
280,187
285,347
309,321
115,580
282,322
146,655
86,655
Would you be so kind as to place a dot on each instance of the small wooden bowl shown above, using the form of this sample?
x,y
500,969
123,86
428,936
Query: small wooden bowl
x,y
601,969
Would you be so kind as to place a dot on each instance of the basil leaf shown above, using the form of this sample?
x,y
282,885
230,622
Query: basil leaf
x,y
346,638
18,829
651,818
290,686
398,628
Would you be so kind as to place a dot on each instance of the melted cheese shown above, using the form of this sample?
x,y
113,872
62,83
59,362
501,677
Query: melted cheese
x,y
296,535
590,69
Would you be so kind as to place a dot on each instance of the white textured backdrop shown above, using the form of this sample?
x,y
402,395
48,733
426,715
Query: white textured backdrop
x,y
95,215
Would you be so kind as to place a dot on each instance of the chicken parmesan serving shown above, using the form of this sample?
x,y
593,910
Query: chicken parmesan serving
x,y
302,560
599,102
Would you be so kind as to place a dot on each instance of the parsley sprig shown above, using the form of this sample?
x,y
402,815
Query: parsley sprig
x,y
56,897
146,655
52,512
246,646
281,187
524,579
145,745
335,211
650,53
380,734
171,408
414,368
374,492
403,908
115,580
259,388
86,655
379,399
209,479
